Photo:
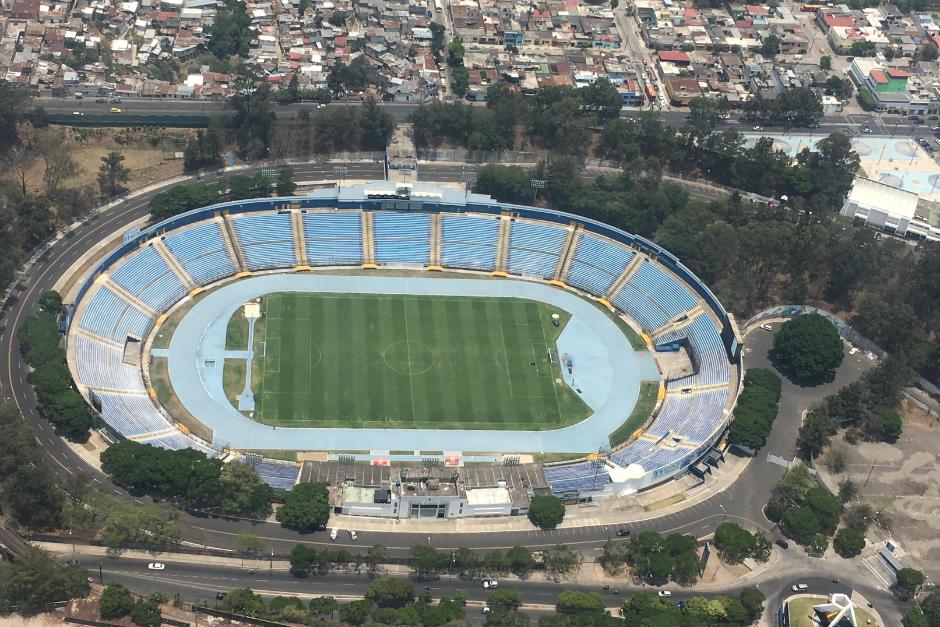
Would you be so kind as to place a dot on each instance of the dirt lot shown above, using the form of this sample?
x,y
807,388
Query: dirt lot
x,y
148,155
905,482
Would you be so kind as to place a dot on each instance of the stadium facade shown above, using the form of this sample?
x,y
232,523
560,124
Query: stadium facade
x,y
385,225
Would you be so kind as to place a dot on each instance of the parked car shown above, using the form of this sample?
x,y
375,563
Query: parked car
x,y
353,535
783,544
664,593
853,350
866,130
115,109
333,533
623,532
490,583
766,327
219,596
156,566
77,113
799,587
758,128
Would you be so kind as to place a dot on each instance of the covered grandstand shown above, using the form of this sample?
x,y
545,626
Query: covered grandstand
x,y
419,226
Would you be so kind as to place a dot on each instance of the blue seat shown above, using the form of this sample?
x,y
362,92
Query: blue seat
x,y
333,238
402,237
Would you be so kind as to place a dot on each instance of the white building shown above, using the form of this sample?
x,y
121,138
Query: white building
x,y
889,209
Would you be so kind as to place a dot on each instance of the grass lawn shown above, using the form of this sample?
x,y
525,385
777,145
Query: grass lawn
x,y
404,361
233,379
641,413
800,612
236,334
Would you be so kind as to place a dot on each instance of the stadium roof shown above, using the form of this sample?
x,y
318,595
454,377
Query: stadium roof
x,y
882,197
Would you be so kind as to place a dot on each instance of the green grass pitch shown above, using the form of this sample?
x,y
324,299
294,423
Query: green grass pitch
x,y
403,361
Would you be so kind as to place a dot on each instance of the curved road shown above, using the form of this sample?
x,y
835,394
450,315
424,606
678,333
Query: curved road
x,y
739,502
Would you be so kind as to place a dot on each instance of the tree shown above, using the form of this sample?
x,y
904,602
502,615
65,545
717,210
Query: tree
x,y
376,556
848,542
908,583
112,174
306,508
427,560
756,410
466,560
826,506
546,512
230,32
858,517
243,601
455,52
848,490
377,126
753,601
116,601
355,612
520,560
390,592
243,492
50,302
146,614
248,543
808,349
801,524
323,606
928,52
58,164
32,498
734,544
914,617
770,47
35,579
572,601
204,150
460,80
825,63
561,560
285,185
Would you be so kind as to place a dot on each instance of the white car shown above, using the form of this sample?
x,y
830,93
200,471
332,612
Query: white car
x,y
77,113
353,535
664,593
766,327
491,584
853,350
866,130
799,587
333,533
156,566
758,128
486,609
871,356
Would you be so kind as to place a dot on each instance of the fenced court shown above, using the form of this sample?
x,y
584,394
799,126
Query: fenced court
x,y
408,361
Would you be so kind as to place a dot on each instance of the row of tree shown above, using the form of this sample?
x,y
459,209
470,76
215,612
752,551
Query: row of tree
x,y
182,198
654,558
41,345
648,610
805,511
735,544
756,410
116,601
189,478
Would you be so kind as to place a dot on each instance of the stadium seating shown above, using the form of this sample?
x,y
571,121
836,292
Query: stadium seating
x,y
693,416
201,252
333,239
100,365
110,316
278,476
402,237
597,263
267,240
130,415
469,242
664,290
534,248
709,352
147,276
579,477
641,307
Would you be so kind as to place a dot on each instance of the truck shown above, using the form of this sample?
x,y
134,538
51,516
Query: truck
x,y
438,6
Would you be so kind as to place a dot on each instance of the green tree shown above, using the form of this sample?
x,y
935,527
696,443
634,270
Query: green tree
x,y
770,47
115,601
455,52
908,583
376,556
465,560
520,561
546,512
355,612
753,601
576,602
801,524
505,183
248,543
427,560
243,601
50,302
285,185
460,80
306,508
146,614
390,592
35,579
826,506
323,607
825,63
112,174
858,517
377,126
808,349
561,560
734,544
848,542
243,492
230,32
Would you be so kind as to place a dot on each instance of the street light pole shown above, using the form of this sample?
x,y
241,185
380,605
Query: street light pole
x,y
537,184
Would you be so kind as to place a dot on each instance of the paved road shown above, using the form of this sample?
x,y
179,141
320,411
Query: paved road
x,y
880,124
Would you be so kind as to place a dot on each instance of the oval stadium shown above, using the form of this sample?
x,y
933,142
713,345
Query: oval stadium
x,y
389,324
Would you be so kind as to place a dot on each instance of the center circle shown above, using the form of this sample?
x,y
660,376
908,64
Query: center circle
x,y
408,357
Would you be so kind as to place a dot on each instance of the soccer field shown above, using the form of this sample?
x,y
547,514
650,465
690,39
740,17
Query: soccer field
x,y
403,361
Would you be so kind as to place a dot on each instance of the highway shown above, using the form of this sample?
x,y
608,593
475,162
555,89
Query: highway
x,y
880,124
740,502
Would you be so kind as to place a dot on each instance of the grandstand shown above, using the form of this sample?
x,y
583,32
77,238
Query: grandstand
x,y
149,274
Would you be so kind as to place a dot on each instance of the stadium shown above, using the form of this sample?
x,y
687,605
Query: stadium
x,y
391,324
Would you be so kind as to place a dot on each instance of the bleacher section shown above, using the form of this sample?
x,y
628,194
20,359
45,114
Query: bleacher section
x,y
333,239
580,477
267,240
597,264
534,248
402,237
201,252
147,276
278,476
469,242
651,297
